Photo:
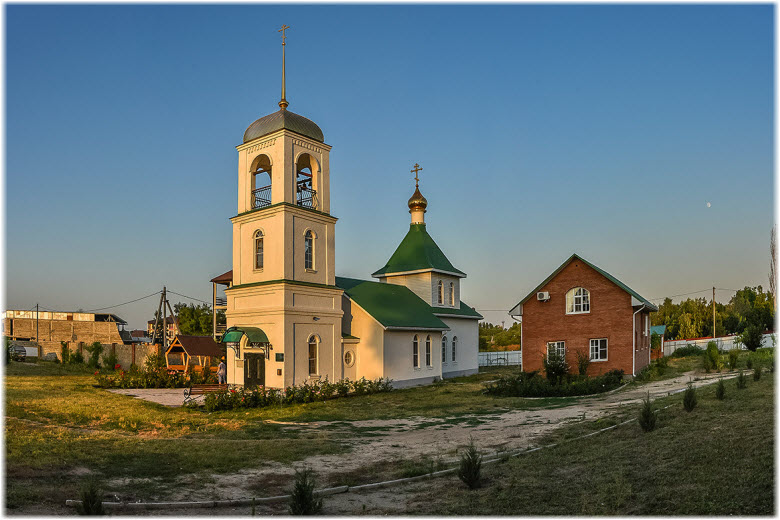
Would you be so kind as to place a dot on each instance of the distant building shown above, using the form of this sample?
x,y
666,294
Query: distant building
x,y
581,309
171,326
140,336
49,329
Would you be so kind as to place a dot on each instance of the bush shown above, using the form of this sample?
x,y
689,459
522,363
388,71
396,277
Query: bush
x,y
583,362
302,499
741,380
76,358
720,390
749,362
751,337
470,466
647,415
689,398
91,502
110,361
64,352
555,367
530,384
662,362
757,373
686,351
94,354
733,358
712,357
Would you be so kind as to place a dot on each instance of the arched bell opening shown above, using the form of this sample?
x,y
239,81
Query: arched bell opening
x,y
306,180
261,181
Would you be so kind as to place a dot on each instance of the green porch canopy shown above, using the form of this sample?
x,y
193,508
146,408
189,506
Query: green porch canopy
x,y
234,335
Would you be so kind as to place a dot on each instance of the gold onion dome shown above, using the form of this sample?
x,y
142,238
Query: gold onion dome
x,y
417,201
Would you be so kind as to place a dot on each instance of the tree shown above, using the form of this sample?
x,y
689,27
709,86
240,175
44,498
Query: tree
x,y
773,264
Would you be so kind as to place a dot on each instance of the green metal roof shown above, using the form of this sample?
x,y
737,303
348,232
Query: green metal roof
x,y
416,252
234,335
283,119
658,329
464,310
598,270
393,306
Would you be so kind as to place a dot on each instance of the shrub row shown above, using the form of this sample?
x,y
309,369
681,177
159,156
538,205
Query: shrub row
x,y
306,393
531,384
154,374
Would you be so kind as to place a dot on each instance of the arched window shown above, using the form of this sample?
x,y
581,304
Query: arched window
x,y
415,352
313,344
258,249
577,301
428,351
444,349
308,250
452,294
441,292
261,182
454,346
305,193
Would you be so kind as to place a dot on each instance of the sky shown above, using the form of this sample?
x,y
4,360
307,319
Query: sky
x,y
542,130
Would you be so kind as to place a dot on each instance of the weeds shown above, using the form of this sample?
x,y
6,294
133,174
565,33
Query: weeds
x,y
583,362
757,373
733,358
720,390
91,503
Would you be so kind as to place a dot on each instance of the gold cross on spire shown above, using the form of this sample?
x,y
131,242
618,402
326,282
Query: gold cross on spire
x,y
283,103
416,169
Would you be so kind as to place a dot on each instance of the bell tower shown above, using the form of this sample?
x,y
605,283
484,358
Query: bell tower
x,y
283,254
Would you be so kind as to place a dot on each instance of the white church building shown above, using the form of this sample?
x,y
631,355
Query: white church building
x,y
290,319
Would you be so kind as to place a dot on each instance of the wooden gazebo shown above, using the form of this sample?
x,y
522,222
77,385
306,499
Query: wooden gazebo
x,y
195,351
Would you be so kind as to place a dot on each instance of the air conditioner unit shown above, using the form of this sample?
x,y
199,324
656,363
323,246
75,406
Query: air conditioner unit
x,y
543,296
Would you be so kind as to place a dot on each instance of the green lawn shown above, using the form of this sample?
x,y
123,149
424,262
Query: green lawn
x,y
716,460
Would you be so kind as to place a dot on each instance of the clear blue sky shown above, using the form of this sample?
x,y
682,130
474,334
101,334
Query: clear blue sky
x,y
542,131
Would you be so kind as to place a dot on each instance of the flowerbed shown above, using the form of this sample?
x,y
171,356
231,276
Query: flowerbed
x,y
153,375
306,393
531,384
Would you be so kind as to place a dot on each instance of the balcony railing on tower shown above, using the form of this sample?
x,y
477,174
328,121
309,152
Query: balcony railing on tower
x,y
307,197
261,197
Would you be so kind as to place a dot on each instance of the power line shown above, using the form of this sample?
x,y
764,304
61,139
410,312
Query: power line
x,y
678,295
190,297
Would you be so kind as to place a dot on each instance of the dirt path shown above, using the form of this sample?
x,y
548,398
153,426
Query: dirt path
x,y
375,443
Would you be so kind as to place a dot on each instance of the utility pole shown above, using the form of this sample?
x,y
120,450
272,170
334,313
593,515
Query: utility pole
x,y
36,323
165,321
713,313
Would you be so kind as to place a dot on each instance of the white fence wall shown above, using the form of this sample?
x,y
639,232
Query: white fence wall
x,y
491,359
724,343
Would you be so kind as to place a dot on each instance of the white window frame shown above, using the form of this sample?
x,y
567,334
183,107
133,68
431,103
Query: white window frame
x,y
596,344
582,300
416,352
444,350
454,347
259,255
428,352
559,346
314,341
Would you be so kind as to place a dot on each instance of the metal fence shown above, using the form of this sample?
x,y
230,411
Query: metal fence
x,y
492,359
724,343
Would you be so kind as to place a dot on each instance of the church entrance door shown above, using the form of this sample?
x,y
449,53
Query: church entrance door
x,y
254,370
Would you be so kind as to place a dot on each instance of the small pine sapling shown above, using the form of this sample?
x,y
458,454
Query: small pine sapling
x,y
470,466
689,398
91,503
749,362
757,372
733,358
720,390
302,499
741,380
647,416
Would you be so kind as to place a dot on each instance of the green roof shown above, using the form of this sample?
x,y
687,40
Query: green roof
x,y
234,335
416,252
658,329
464,310
393,306
598,270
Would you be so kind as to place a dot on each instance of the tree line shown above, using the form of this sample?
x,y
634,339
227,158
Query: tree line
x,y
492,336
750,309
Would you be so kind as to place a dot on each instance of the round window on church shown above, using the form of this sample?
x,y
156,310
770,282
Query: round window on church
x,y
349,358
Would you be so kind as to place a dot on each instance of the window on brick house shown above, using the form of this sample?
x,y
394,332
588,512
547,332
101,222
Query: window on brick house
x,y
556,347
578,301
598,349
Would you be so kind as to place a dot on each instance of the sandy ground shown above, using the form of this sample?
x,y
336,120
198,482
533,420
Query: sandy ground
x,y
391,441
164,396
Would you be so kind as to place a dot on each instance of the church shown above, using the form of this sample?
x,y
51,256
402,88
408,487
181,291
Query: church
x,y
290,319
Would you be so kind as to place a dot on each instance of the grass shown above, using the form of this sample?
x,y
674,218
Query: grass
x,y
716,460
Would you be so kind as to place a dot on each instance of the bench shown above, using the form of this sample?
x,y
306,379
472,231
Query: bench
x,y
196,390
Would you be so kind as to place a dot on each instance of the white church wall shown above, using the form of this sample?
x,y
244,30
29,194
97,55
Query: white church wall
x,y
467,353
434,290
369,349
419,284
398,358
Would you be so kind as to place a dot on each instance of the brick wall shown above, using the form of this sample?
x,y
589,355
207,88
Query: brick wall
x,y
609,317
125,353
62,330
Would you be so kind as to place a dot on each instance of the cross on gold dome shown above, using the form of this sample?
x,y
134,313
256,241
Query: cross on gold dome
x,y
416,169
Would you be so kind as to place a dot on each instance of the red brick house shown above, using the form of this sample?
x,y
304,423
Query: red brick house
x,y
581,308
